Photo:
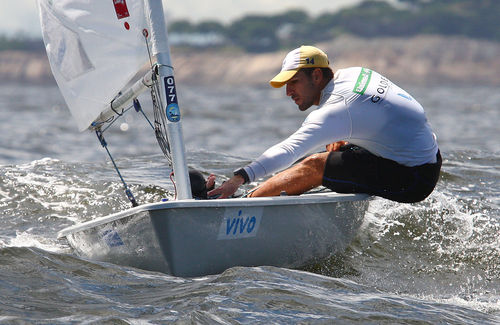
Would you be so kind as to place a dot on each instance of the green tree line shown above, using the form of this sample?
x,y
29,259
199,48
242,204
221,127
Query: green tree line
x,y
263,33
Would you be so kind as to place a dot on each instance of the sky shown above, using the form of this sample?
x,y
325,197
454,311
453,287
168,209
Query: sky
x,y
21,16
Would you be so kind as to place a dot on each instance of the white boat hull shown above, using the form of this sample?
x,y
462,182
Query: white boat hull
x,y
194,238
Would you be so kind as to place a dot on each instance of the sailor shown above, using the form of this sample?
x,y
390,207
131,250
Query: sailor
x,y
377,137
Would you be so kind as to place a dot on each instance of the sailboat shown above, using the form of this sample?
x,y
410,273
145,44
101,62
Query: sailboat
x,y
98,51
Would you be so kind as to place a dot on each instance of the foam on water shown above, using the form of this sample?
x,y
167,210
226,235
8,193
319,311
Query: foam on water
x,y
28,239
432,262
444,250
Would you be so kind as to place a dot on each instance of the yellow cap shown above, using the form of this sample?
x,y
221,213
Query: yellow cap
x,y
302,57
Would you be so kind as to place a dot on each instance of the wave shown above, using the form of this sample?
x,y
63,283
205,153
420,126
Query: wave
x,y
446,247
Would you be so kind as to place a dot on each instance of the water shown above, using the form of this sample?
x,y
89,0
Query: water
x,y
435,262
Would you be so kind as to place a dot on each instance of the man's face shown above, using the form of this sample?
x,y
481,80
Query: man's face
x,y
303,90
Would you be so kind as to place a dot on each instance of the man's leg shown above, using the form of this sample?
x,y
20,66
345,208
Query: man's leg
x,y
356,170
297,179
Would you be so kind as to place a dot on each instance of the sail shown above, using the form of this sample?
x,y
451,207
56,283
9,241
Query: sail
x,y
94,48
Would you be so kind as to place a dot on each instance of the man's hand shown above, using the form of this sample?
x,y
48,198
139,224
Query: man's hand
x,y
335,146
210,184
228,188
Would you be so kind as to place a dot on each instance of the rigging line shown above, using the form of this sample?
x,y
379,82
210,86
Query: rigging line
x,y
111,105
128,192
138,108
161,135
160,123
114,110
110,121
164,65
146,34
95,125
175,187
115,119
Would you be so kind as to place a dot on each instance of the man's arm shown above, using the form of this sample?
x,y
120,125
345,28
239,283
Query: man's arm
x,y
228,188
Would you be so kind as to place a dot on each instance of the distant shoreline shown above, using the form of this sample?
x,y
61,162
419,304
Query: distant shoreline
x,y
418,60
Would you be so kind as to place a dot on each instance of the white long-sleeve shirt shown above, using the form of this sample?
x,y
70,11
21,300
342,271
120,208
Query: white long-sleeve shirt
x,y
366,109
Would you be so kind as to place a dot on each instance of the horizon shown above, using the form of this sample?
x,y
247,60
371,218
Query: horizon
x,y
21,17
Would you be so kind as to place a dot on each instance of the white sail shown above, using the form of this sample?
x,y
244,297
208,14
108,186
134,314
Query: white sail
x,y
94,47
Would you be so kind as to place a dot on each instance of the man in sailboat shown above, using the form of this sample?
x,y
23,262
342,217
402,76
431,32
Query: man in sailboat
x,y
377,137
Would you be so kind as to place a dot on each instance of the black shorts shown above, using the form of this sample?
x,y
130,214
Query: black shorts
x,y
353,169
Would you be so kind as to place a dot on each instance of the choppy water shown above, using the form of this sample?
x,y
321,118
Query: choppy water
x,y
435,262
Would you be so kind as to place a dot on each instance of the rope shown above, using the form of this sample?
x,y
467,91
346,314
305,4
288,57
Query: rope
x,y
128,192
159,118
159,126
175,187
160,123
138,108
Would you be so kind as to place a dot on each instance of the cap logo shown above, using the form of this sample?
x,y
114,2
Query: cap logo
x,y
302,57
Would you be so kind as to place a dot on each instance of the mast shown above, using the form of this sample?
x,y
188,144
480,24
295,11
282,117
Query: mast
x,y
160,48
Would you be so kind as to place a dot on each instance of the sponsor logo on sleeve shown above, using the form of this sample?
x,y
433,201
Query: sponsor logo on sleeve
x,y
363,81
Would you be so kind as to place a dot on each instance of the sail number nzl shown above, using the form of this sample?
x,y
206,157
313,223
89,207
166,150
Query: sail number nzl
x,y
240,223
172,111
